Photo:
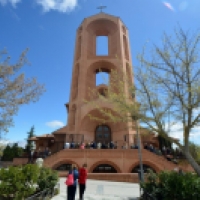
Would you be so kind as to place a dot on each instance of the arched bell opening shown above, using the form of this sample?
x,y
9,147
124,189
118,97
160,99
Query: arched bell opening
x,y
102,77
105,30
99,74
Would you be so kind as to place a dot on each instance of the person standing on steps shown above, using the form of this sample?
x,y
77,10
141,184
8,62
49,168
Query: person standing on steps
x,y
82,180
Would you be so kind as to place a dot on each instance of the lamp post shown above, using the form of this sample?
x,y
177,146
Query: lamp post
x,y
141,171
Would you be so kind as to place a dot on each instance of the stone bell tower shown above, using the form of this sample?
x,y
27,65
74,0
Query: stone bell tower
x,y
86,66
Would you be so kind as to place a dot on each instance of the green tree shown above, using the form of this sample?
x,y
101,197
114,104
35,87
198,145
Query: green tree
x,y
29,144
11,152
167,83
2,147
15,88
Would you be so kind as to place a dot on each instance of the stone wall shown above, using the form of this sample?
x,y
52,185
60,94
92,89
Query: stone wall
x,y
4,164
20,161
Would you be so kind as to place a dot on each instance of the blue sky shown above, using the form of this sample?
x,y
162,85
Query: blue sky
x,y
48,28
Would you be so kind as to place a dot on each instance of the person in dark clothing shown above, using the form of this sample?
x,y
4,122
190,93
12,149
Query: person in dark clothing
x,y
71,189
94,145
112,145
103,146
72,145
82,180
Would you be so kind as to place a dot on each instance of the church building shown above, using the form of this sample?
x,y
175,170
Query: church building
x,y
79,129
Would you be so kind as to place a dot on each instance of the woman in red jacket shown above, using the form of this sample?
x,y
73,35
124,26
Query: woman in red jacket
x,y
82,180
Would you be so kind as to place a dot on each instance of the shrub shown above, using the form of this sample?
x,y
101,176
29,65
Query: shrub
x,y
172,185
47,179
18,182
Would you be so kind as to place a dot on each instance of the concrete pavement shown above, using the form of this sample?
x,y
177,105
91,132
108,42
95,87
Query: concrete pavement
x,y
103,190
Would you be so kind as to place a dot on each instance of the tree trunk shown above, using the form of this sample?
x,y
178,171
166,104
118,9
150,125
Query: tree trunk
x,y
192,161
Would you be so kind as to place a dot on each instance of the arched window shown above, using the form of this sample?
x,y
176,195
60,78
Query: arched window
x,y
145,168
104,168
64,167
103,134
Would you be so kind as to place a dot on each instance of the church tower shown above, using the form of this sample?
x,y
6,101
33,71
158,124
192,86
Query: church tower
x,y
86,66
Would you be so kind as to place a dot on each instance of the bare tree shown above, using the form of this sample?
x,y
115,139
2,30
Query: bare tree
x,y
15,88
167,85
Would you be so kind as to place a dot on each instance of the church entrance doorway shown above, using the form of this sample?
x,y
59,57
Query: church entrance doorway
x,y
103,134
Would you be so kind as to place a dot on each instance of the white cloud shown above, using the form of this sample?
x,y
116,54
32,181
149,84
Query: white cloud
x,y
13,2
168,5
4,142
59,5
54,124
196,111
21,143
176,131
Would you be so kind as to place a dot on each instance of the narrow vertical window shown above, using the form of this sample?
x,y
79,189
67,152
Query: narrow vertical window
x,y
125,47
78,55
102,45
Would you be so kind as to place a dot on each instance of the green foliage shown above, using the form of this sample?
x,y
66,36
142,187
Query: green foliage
x,y
21,182
18,182
2,147
47,178
172,185
11,152
29,144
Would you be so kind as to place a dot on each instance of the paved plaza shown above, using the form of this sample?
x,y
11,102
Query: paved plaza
x,y
103,190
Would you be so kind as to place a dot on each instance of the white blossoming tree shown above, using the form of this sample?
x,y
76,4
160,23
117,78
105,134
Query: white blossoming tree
x,y
15,88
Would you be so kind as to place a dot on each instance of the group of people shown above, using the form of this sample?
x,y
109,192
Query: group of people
x,y
169,153
34,154
80,177
99,145
152,149
91,145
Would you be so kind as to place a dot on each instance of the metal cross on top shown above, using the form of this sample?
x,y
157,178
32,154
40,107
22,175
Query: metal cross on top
x,y
101,8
